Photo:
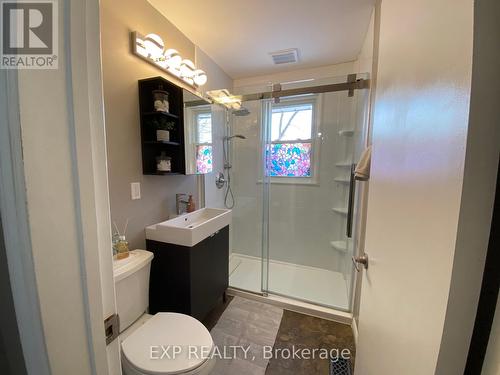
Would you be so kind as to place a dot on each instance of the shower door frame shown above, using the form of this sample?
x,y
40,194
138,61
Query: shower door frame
x,y
267,98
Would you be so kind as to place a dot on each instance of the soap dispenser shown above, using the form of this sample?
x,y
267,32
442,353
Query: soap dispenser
x,y
190,205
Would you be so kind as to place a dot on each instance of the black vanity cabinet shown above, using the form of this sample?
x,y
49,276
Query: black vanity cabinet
x,y
189,280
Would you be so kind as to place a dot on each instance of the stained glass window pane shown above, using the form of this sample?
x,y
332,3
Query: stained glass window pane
x,y
291,122
289,160
204,159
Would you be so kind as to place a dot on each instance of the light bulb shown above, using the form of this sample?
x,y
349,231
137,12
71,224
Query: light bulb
x,y
187,69
200,77
173,58
154,45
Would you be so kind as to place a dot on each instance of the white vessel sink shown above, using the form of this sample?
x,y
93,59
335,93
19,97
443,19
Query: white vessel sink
x,y
189,229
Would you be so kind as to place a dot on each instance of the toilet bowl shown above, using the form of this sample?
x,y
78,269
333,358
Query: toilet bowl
x,y
160,344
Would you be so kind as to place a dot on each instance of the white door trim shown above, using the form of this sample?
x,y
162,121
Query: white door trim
x,y
14,214
85,119
86,140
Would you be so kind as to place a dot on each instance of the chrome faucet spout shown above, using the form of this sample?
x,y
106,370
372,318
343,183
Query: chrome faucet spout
x,y
180,203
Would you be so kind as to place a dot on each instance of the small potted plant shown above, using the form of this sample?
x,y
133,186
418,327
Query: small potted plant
x,y
163,129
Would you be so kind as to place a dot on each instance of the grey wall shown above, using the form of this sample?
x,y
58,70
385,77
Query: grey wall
x,y
121,71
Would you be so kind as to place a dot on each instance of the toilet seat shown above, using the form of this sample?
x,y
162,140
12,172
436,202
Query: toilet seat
x,y
149,349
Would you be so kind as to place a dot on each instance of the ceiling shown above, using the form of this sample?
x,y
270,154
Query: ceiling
x,y
239,34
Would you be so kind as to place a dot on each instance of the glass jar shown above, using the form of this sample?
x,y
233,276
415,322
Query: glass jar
x,y
163,163
120,247
160,99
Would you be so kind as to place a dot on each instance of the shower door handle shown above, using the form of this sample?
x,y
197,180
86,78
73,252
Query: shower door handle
x,y
350,203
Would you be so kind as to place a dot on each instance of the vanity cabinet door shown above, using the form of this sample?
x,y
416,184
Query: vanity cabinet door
x,y
189,280
209,272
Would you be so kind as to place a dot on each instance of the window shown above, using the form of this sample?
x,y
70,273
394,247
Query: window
x,y
291,151
203,142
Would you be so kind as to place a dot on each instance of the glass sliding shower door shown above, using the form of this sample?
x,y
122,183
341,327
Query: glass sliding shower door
x,y
245,265
291,179
312,143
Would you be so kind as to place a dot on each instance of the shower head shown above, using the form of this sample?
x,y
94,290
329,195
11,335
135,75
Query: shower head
x,y
241,112
235,136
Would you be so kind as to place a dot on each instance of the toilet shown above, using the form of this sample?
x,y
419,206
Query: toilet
x,y
160,344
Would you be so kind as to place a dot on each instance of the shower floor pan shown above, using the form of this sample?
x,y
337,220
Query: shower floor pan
x,y
315,285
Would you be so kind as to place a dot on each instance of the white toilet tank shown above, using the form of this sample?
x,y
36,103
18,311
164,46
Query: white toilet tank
x,y
132,286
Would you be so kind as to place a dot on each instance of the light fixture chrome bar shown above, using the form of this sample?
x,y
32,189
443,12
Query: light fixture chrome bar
x,y
358,84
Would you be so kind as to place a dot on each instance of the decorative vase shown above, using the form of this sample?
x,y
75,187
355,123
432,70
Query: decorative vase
x,y
162,135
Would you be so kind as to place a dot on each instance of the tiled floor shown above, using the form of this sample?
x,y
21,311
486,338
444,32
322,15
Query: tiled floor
x,y
309,284
301,331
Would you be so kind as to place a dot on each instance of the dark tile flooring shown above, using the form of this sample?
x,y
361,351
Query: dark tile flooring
x,y
301,331
304,331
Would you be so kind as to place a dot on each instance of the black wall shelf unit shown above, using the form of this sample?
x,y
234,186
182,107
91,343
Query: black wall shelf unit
x,y
151,148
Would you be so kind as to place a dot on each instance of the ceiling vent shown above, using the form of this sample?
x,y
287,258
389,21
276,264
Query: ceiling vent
x,y
286,56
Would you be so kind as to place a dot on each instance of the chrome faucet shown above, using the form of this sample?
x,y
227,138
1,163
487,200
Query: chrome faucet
x,y
180,200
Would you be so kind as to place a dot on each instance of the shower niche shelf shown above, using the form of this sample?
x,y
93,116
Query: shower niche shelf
x,y
342,180
346,132
339,245
340,210
343,164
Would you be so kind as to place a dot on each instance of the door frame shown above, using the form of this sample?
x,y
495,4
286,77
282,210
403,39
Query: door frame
x,y
14,216
81,54
488,298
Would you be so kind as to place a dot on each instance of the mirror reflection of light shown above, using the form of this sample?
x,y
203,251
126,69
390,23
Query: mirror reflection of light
x,y
200,77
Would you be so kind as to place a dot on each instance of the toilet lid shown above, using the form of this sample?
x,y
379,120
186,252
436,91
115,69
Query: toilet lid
x,y
168,343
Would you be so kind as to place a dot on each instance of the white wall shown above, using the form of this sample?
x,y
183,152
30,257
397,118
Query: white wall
x,y
478,193
261,83
417,214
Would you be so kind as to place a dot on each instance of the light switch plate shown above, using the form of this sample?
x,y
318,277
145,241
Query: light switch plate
x,y
135,190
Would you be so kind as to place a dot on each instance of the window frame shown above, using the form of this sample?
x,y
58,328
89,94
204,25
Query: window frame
x,y
196,139
315,101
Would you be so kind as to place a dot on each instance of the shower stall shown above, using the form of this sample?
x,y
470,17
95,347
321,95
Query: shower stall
x,y
290,171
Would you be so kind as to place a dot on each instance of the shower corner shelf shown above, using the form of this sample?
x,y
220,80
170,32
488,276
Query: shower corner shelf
x,y
340,210
339,245
343,164
346,132
342,180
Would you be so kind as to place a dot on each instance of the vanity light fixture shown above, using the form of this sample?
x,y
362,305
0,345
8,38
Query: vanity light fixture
x,y
152,49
